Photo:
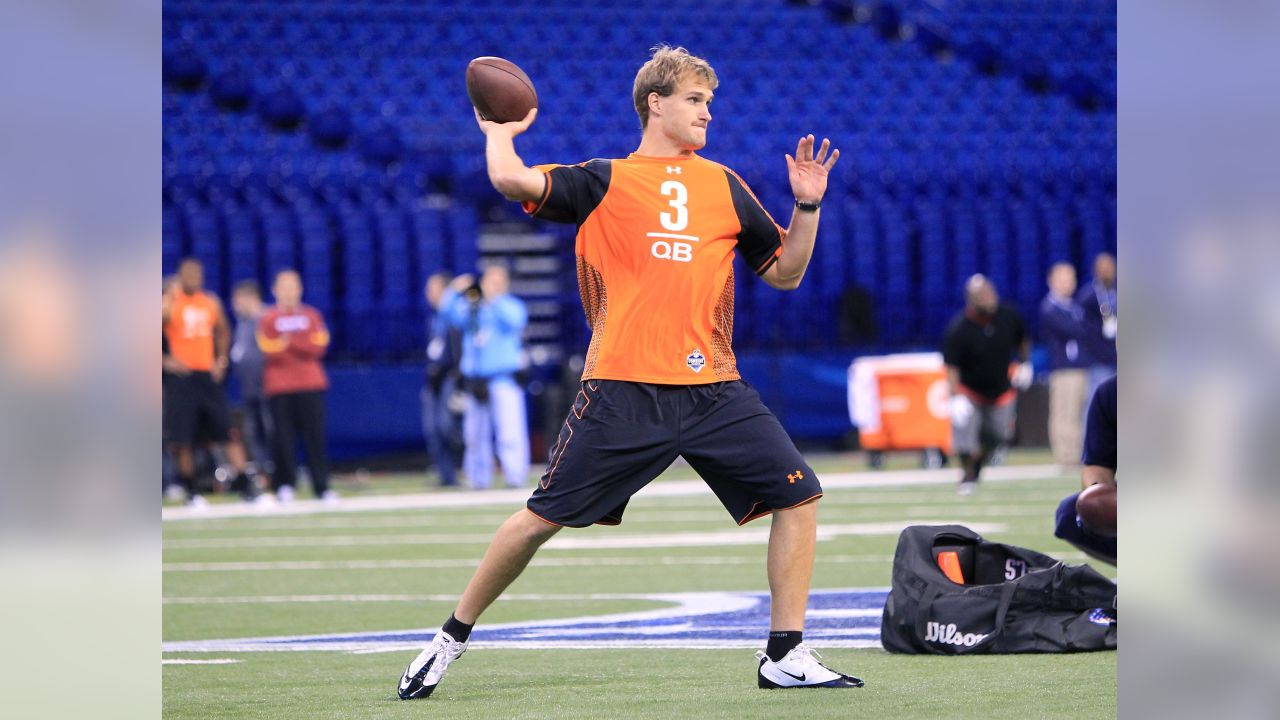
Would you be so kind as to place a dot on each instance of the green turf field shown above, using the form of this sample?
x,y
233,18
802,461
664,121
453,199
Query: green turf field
x,y
391,570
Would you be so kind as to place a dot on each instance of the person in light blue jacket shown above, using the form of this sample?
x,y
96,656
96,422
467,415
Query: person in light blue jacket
x,y
492,323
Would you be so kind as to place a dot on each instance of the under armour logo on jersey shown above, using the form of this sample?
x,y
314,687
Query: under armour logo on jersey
x,y
695,360
672,170
793,477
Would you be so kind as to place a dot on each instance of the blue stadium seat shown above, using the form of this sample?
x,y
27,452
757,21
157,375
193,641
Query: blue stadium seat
x,y
947,171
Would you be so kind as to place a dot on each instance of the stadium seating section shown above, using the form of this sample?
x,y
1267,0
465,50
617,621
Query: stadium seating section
x,y
336,137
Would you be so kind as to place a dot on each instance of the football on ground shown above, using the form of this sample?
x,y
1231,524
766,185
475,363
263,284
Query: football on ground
x,y
500,90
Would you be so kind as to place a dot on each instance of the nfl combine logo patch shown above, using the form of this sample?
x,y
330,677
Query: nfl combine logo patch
x,y
695,360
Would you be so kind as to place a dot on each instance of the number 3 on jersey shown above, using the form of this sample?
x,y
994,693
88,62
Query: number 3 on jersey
x,y
679,199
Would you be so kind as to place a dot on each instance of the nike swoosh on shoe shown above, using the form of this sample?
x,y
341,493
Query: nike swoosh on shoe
x,y
799,677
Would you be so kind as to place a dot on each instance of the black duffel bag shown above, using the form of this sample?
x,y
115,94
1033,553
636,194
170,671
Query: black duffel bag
x,y
1008,599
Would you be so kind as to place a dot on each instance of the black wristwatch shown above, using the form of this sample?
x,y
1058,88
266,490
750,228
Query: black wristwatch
x,y
808,207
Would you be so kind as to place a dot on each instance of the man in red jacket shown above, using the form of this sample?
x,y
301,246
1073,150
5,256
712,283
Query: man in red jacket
x,y
293,337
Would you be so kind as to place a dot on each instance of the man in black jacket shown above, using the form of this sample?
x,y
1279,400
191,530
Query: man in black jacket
x,y
977,349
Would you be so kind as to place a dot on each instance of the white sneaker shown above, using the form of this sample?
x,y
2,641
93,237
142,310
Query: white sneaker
x,y
175,493
966,487
424,673
330,497
800,669
198,503
285,494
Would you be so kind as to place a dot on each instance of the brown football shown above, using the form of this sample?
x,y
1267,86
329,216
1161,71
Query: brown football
x,y
1096,507
499,89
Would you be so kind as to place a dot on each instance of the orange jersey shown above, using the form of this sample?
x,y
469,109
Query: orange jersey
x,y
655,248
192,319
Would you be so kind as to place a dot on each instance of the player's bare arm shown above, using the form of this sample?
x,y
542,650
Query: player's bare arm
x,y
953,379
508,173
808,173
221,343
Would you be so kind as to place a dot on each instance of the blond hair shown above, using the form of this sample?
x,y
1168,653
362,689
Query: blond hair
x,y
663,73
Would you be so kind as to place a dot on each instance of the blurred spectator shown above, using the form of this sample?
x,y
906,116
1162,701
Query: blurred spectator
x,y
858,317
1062,330
1088,518
977,350
198,335
248,361
491,322
1101,317
439,421
294,338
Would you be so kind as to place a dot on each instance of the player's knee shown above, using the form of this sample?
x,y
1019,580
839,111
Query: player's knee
x,y
806,509
535,528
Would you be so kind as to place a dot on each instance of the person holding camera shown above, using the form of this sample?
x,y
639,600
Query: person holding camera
x,y
440,425
491,322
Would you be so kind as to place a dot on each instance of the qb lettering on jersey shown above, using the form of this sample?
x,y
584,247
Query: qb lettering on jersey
x,y
679,251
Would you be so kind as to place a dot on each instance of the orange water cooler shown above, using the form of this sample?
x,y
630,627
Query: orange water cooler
x,y
901,402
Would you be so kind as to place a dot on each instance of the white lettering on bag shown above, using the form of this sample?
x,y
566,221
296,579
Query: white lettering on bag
x,y
947,634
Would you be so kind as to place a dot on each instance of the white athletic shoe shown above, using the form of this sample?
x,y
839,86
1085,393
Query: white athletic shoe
x,y
331,498
198,503
424,673
285,494
800,669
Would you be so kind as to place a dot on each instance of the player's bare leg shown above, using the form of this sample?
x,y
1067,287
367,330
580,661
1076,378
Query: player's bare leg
x,y
185,458
788,663
236,455
241,484
792,540
512,548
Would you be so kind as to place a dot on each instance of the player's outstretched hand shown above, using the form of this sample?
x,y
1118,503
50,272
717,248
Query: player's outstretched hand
x,y
808,172
512,128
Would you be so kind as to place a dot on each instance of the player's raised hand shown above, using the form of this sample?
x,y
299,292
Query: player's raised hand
x,y
512,128
808,172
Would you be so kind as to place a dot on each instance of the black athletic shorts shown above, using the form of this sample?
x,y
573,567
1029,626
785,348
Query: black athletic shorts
x,y
195,408
621,435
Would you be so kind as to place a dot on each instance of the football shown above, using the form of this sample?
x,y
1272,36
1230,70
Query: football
x,y
1096,507
500,90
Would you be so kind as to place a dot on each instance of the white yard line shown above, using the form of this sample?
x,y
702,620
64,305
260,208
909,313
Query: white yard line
x,y
865,505
639,643
517,497
749,536
277,565
192,661
279,599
